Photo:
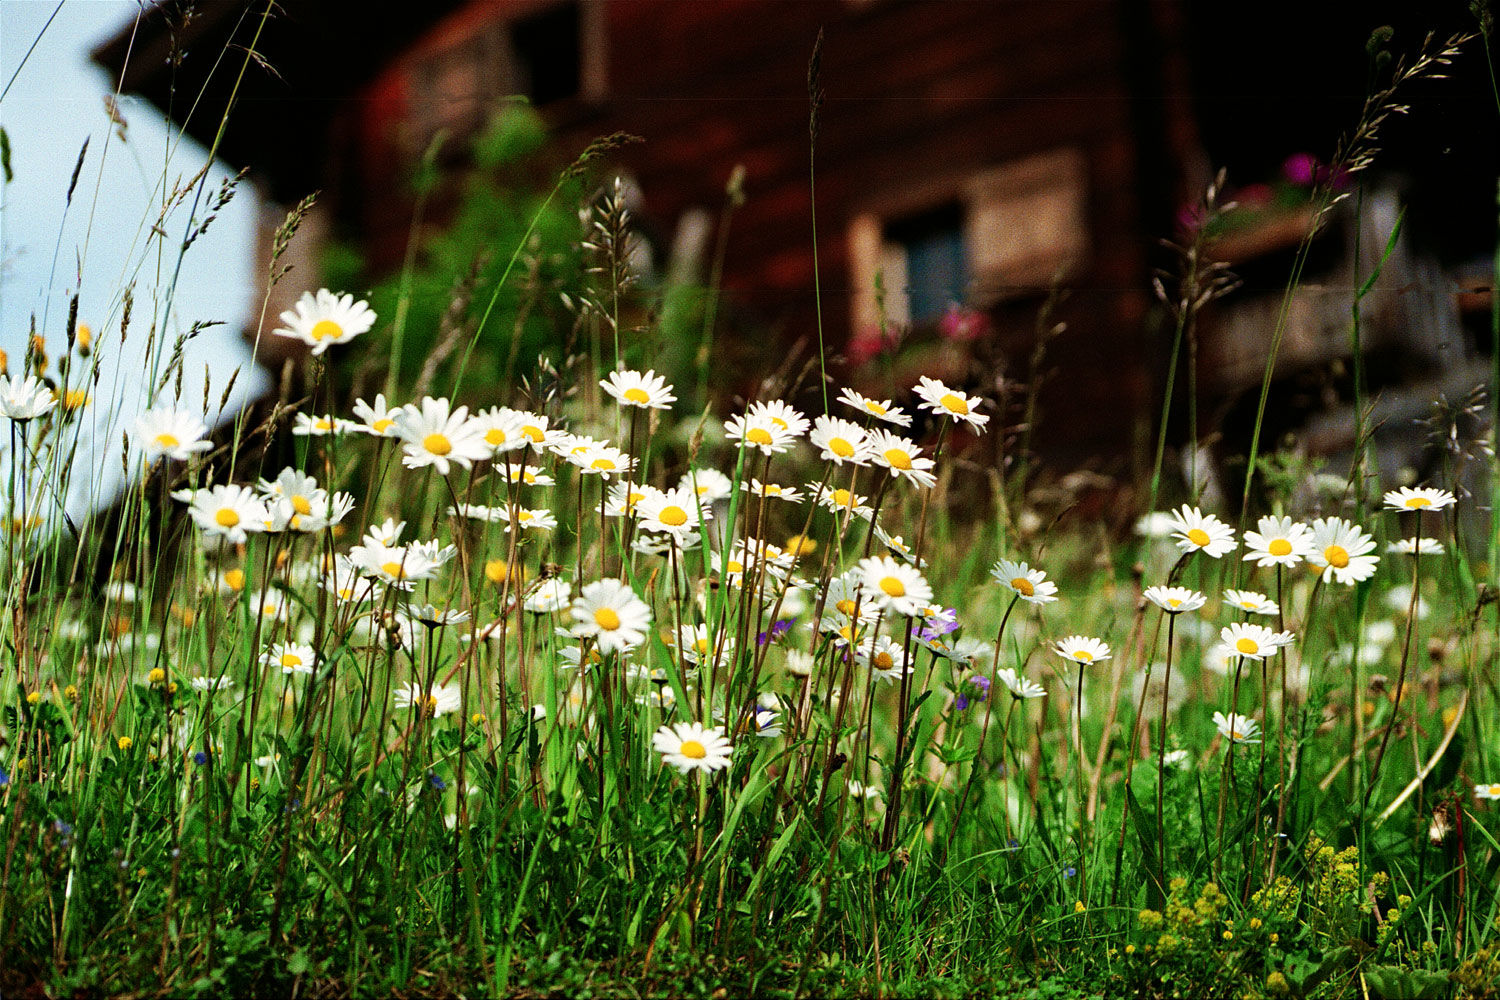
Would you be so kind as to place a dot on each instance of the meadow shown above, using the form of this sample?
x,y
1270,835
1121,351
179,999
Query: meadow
x,y
585,682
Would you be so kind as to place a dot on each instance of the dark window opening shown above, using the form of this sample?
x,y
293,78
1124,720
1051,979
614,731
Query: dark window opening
x,y
548,47
937,263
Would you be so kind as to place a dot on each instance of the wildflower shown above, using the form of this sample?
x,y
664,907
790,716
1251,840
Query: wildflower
x,y
598,458
648,392
325,319
124,743
1081,649
902,457
842,501
946,402
896,586
884,657
24,399
525,475
1253,642
1031,585
1175,600
697,645
1019,686
320,426
538,428
781,415
763,721
1340,551
435,617
962,700
432,702
690,746
212,683
1408,546
175,434
610,613
707,484
1249,600
1195,532
292,658
1237,728
1425,498
400,565
1487,791
759,432
500,428
527,518
229,511
674,512
1278,541
839,441
760,489
378,419
436,435
879,409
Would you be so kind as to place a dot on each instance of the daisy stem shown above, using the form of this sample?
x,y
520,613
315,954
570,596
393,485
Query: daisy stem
x,y
1411,625
1161,756
989,708
1078,750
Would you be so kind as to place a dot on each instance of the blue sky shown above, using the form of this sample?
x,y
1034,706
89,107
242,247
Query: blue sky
x,y
103,241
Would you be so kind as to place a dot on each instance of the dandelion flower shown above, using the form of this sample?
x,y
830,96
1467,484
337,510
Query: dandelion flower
x,y
946,402
1237,728
610,613
1249,600
690,746
1278,541
1031,585
648,392
325,319
1341,551
1081,649
1424,498
880,409
174,434
1253,642
1198,532
1175,600
432,702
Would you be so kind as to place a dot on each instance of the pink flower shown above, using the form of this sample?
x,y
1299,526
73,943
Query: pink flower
x,y
866,345
963,325
1300,169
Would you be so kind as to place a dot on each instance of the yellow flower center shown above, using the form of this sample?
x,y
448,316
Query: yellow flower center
x,y
494,437
227,517
846,606
735,566
1279,547
893,586
758,435
323,424
291,660
382,425
524,516
1083,655
301,505
1247,646
955,403
1174,602
701,646
607,619
438,444
167,441
1336,556
875,408
1023,586
673,516
1417,503
393,569
841,448
603,464
636,394
1495,791
693,750
898,459
883,661
325,328
1198,537
771,490
234,579
534,432
842,497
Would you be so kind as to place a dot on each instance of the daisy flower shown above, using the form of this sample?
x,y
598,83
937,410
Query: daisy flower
x,y
1030,584
524,475
760,489
433,702
898,547
291,657
1278,541
624,497
174,434
378,419
609,612
325,319
1424,498
24,399
1081,649
1249,600
690,746
880,409
839,441
500,428
762,721
1487,791
598,458
1341,551
1019,686
1408,546
946,402
1237,728
708,484
399,566
842,501
673,512
229,511
528,518
902,457
1195,531
548,596
212,683
1175,600
697,646
322,425
780,415
897,586
760,433
439,436
538,427
1253,642
884,657
648,392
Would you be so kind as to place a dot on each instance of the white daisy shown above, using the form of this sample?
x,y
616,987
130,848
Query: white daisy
x,y
648,392
1249,600
500,428
1175,600
1195,532
1487,791
291,657
25,399
1425,498
1253,642
709,484
884,657
674,512
1278,541
897,586
946,402
880,409
228,511
431,703
435,435
322,425
325,319
1408,546
776,490
1341,551
781,415
610,613
1020,686
842,501
839,441
759,432
1081,649
690,746
174,434
1029,584
1237,728
548,596
902,457
378,419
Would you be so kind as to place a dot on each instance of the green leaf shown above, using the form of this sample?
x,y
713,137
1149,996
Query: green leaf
x,y
5,155
1414,984
299,964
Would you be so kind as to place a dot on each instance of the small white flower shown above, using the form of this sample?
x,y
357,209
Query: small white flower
x,y
438,436
648,392
1487,791
1081,649
610,613
1031,585
174,434
839,441
548,596
895,585
378,419
1199,532
1278,541
708,484
1425,498
325,319
946,402
1341,551
1020,686
1408,546
1237,728
690,746
1253,642
431,703
1175,600
229,511
291,657
24,399
1249,600
880,409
